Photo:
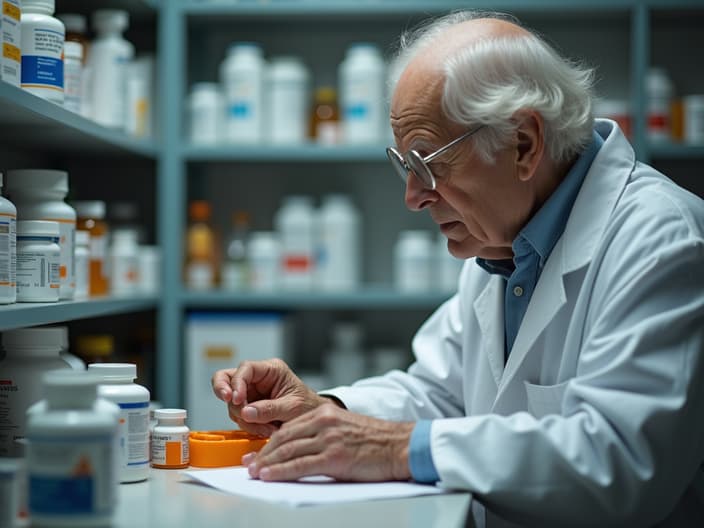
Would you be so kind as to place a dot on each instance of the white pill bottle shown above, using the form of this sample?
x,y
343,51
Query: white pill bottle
x,y
117,385
295,223
42,38
338,259
8,250
362,94
38,261
242,78
170,444
39,194
70,454
413,261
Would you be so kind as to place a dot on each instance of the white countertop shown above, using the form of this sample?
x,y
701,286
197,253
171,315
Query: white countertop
x,y
172,500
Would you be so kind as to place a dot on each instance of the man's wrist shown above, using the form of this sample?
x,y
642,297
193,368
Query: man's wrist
x,y
334,399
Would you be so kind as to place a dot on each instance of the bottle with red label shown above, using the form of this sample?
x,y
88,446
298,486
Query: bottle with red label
x,y
660,92
295,222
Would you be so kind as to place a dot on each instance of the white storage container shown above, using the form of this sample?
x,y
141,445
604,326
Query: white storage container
x,y
205,114
413,259
295,223
108,59
39,195
29,352
242,78
42,38
362,94
339,257
117,385
215,341
287,108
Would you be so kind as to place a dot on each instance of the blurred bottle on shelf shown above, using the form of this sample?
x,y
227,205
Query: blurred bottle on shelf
x,y
345,362
294,222
287,80
76,30
124,262
325,117
338,259
91,218
201,253
235,269
264,259
125,215
205,112
95,348
660,93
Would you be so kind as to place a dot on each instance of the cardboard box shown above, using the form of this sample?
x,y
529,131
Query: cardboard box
x,y
221,340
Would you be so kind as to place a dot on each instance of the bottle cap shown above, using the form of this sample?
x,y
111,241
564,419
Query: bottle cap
x,y
73,22
46,6
114,371
110,20
170,414
73,49
90,209
52,336
23,180
38,228
66,389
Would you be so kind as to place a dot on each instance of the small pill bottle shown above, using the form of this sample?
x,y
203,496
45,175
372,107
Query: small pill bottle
x,y
170,439
70,454
38,261
117,385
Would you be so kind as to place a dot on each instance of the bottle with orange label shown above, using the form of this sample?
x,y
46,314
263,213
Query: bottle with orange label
x,y
201,248
39,195
91,218
170,448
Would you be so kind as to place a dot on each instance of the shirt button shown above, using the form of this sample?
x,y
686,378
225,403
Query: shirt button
x,y
517,291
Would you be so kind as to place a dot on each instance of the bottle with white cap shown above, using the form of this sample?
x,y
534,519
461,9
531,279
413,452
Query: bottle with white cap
x,y
170,447
242,78
117,385
42,38
71,448
295,224
338,258
38,261
29,352
39,194
8,250
413,256
124,262
109,56
73,76
205,113
287,105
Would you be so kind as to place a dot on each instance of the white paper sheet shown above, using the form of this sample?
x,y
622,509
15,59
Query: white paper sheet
x,y
308,491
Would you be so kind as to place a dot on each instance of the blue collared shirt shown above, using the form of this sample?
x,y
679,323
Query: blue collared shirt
x,y
531,249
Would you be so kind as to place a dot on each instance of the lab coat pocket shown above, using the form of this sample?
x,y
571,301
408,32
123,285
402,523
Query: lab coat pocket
x,y
545,399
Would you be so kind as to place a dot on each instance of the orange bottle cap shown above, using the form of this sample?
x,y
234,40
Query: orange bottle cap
x,y
222,448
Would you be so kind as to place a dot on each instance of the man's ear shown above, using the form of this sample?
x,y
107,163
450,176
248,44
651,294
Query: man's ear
x,y
530,143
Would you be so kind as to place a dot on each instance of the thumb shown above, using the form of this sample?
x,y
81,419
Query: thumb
x,y
267,411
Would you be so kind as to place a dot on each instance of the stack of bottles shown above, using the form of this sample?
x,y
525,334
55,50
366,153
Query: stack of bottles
x,y
271,101
52,58
51,251
310,249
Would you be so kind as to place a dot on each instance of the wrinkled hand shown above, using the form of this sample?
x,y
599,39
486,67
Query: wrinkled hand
x,y
334,442
263,394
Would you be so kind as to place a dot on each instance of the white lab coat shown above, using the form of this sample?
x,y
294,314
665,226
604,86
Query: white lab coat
x,y
597,418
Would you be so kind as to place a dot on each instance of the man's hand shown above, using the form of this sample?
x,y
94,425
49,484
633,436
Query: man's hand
x,y
334,442
263,394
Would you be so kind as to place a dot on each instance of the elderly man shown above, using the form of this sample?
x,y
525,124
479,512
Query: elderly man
x,y
564,383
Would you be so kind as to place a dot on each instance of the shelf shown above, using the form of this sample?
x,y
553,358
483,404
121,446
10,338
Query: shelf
x,y
304,152
371,298
675,151
31,314
371,8
30,121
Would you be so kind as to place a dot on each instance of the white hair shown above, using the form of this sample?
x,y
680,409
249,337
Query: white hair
x,y
487,82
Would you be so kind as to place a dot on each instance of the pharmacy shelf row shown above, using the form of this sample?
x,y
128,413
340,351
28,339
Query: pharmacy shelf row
x,y
22,315
29,121
373,8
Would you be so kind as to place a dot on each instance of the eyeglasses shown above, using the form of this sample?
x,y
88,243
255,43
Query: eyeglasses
x,y
413,162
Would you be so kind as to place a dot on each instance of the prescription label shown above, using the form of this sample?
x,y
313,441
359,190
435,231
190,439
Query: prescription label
x,y
71,476
170,449
8,249
11,45
37,275
133,432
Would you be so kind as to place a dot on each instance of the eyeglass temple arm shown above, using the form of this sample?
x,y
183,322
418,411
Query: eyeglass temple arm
x,y
435,154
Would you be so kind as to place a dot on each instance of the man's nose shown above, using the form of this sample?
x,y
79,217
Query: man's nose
x,y
417,196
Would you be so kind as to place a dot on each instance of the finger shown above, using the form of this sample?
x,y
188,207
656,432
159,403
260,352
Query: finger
x,y
291,451
221,384
265,411
293,469
265,430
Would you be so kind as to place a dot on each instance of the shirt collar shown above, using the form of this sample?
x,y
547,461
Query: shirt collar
x,y
544,229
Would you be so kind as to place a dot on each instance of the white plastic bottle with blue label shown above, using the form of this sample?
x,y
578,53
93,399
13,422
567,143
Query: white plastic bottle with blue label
x,y
117,385
362,95
42,46
8,250
108,58
70,454
242,78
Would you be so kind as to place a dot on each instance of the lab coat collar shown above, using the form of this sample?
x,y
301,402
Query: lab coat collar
x,y
602,187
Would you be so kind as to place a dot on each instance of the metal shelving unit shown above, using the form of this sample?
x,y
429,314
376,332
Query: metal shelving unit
x,y
178,21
